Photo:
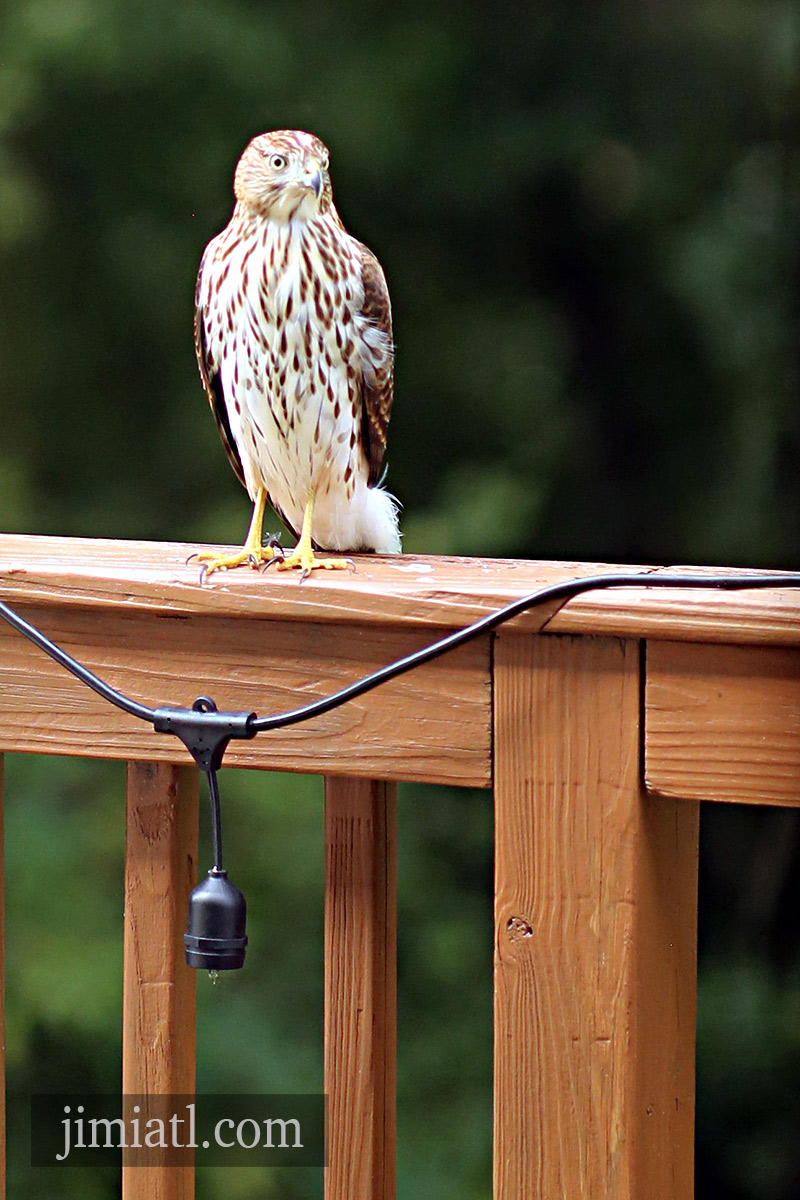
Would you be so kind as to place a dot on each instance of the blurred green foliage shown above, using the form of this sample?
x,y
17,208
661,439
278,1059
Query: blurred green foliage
x,y
588,218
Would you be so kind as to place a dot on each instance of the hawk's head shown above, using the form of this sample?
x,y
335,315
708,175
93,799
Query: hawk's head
x,y
284,176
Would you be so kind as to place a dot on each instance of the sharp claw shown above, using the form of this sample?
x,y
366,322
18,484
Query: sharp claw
x,y
194,554
203,573
304,573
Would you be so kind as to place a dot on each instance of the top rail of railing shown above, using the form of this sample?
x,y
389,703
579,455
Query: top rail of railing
x,y
408,591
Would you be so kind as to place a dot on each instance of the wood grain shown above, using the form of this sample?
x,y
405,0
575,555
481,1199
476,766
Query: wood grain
x,y
158,1030
424,593
433,723
595,967
723,723
360,987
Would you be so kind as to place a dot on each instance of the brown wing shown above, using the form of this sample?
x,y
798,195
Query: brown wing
x,y
209,373
378,390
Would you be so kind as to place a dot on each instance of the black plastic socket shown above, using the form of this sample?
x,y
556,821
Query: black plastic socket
x,y
215,938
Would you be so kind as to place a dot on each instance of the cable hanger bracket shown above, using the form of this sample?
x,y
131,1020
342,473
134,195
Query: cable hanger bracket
x,y
204,731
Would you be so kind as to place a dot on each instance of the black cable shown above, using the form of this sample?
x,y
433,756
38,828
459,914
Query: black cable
x,y
567,589
216,820
83,673
243,725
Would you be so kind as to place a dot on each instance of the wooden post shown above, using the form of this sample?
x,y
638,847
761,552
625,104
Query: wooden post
x,y
360,987
595,967
158,1033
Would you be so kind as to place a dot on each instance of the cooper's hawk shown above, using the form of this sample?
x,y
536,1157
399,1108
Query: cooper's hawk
x,y
294,342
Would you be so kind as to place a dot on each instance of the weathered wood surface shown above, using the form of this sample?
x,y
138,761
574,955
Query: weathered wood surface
x,y
429,594
433,723
595,951
135,612
360,987
158,1014
723,723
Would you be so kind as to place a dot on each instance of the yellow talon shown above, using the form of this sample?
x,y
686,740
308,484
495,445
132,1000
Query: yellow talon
x,y
252,552
303,555
309,562
256,556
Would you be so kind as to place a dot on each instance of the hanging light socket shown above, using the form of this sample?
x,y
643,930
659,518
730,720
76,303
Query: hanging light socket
x,y
215,937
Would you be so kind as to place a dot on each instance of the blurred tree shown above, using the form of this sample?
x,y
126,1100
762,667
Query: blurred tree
x,y
588,217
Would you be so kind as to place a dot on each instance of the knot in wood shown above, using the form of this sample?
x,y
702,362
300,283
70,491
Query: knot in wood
x,y
518,928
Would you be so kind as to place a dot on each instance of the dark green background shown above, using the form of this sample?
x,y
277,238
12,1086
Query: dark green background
x,y
588,219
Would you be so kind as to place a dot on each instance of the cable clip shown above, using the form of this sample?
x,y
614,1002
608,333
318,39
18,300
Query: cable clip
x,y
204,731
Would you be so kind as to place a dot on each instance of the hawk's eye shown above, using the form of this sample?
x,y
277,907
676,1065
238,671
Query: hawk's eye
x,y
277,162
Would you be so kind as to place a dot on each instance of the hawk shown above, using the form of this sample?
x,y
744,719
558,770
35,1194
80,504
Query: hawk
x,y
293,333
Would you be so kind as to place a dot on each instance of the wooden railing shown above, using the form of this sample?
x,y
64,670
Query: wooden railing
x,y
598,738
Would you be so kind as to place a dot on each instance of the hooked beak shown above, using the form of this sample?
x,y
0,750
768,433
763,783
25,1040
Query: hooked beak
x,y
314,180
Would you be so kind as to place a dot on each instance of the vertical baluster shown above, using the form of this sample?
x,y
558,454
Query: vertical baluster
x,y
158,1037
2,994
360,987
595,939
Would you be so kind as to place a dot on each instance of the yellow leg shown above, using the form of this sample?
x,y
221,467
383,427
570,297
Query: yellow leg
x,y
303,555
252,552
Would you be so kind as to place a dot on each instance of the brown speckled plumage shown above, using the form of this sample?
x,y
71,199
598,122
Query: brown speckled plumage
x,y
293,335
